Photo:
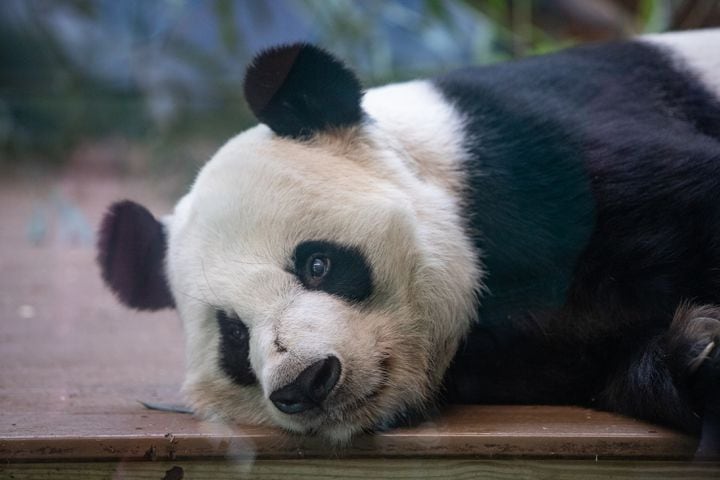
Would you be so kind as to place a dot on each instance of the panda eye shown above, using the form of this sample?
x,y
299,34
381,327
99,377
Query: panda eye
x,y
318,266
237,333
231,326
339,270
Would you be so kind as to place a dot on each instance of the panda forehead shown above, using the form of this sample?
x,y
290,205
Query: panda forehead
x,y
269,193
257,166
259,154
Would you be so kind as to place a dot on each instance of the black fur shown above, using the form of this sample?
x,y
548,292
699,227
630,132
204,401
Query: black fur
x,y
235,348
131,253
594,195
299,89
349,277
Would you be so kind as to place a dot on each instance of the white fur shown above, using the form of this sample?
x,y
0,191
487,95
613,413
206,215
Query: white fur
x,y
697,50
389,187
425,126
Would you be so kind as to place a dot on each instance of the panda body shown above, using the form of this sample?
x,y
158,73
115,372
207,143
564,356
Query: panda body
x,y
546,230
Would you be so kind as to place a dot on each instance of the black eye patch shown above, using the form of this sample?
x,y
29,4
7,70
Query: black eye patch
x,y
335,269
235,348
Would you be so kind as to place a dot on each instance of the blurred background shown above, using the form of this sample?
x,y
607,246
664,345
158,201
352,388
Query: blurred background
x,y
154,86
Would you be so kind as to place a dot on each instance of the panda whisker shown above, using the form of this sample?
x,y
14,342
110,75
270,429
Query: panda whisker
x,y
218,235
207,282
237,252
241,262
204,302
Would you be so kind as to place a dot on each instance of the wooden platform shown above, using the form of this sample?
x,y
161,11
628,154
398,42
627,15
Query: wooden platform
x,y
74,364
132,433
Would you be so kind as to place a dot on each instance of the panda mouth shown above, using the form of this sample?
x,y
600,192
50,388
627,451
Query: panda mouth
x,y
356,405
361,402
343,407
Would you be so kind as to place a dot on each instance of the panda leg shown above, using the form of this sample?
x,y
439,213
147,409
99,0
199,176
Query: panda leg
x,y
695,343
675,378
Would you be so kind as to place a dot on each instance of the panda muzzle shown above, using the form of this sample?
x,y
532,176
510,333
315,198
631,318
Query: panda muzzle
x,y
309,389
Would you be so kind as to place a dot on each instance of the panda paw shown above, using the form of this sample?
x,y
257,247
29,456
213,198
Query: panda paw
x,y
693,341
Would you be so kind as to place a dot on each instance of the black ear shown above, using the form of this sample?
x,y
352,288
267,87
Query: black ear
x,y
300,89
131,253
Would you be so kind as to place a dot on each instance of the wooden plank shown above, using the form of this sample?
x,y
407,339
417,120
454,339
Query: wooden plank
x,y
490,431
396,469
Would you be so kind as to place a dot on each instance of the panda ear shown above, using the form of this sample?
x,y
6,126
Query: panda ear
x,y
132,246
300,89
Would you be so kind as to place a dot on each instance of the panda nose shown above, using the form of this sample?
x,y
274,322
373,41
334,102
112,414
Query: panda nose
x,y
309,389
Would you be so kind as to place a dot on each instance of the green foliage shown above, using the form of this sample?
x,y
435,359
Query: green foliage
x,y
48,105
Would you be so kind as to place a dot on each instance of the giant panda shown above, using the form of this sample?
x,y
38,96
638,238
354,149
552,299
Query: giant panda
x,y
539,231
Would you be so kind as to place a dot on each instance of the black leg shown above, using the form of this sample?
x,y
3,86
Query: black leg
x,y
673,378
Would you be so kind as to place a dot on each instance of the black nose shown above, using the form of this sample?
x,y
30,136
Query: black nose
x,y
310,388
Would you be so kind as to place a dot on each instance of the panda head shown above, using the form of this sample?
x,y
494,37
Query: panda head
x,y
324,284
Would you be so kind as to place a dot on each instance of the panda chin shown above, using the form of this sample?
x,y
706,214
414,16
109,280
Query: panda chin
x,y
338,435
337,423
341,433
336,431
408,417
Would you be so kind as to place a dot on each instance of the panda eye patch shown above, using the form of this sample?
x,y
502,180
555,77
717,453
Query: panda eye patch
x,y
235,348
336,269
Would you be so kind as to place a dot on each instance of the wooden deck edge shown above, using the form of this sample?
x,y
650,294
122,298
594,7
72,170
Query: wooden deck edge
x,y
170,447
366,468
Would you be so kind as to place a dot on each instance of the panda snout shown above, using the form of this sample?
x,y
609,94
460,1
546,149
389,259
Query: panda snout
x,y
310,388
